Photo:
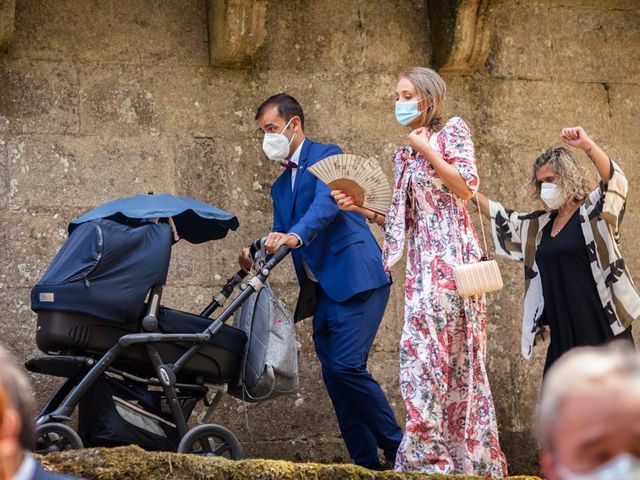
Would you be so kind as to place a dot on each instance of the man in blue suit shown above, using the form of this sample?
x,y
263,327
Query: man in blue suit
x,y
342,281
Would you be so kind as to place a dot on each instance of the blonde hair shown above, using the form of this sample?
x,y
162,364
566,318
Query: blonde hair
x,y
431,88
572,177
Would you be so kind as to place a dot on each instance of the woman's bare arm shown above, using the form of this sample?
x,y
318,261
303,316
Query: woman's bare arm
x,y
484,204
578,138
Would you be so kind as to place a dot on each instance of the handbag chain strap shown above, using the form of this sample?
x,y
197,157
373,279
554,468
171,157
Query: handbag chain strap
x,y
484,238
485,251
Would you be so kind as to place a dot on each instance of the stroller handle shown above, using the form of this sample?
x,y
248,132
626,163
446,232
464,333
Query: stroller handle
x,y
282,252
258,247
222,296
252,285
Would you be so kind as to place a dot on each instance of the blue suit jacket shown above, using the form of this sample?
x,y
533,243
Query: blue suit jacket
x,y
338,246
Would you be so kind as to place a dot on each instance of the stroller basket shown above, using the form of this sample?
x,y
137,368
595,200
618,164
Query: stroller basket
x,y
114,411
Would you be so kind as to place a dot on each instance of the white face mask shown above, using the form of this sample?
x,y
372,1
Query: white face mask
x,y
623,467
276,145
551,195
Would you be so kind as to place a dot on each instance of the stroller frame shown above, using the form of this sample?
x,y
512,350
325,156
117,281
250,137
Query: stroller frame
x,y
61,405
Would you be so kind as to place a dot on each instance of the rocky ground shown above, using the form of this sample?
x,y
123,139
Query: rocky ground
x,y
132,463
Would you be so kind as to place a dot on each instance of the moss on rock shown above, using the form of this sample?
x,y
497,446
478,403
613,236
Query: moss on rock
x,y
132,463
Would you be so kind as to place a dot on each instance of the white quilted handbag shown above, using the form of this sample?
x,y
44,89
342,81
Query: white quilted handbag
x,y
479,277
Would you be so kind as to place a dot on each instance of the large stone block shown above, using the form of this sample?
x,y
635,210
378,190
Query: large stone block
x,y
236,31
106,31
534,112
317,448
234,175
7,16
590,44
461,34
390,330
624,110
38,97
309,412
18,327
4,174
30,241
603,7
520,448
18,322
85,171
185,100
190,265
118,99
345,37
333,115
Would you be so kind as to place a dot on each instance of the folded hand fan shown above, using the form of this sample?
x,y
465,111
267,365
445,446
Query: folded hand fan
x,y
359,177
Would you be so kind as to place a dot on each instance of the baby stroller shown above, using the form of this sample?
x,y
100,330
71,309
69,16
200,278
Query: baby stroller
x,y
135,368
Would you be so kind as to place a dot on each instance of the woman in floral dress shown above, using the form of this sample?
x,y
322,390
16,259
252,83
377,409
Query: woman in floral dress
x,y
451,422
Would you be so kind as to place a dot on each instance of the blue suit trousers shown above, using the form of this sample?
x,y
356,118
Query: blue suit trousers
x,y
343,333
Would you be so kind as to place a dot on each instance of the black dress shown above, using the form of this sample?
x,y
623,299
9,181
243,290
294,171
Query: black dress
x,y
572,307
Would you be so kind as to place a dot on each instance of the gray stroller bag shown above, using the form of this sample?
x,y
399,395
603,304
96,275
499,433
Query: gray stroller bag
x,y
271,358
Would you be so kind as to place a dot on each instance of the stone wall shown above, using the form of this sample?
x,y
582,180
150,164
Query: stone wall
x,y
110,98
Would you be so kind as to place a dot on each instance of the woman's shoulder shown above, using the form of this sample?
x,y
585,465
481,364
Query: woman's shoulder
x,y
455,125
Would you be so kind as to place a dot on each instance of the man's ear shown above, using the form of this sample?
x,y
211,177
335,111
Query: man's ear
x,y
10,426
296,122
548,466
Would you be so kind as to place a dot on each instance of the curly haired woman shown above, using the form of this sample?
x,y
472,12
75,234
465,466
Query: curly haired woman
x,y
576,282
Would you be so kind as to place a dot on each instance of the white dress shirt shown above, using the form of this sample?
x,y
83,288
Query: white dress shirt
x,y
295,158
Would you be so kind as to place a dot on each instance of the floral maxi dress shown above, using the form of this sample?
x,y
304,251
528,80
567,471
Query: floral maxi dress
x,y
451,422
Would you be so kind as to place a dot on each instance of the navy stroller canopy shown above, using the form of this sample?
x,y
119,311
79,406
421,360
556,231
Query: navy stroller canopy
x,y
105,269
116,252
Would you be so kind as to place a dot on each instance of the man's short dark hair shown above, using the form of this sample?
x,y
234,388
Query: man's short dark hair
x,y
288,107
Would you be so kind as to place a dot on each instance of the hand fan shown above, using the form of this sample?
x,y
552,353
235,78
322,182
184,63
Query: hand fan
x,y
359,177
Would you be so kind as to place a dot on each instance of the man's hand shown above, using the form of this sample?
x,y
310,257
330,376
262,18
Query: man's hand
x,y
275,240
576,137
245,260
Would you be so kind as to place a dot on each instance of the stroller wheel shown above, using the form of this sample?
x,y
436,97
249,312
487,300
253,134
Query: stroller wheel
x,y
211,440
56,437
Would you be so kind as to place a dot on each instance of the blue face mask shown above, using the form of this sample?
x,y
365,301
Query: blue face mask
x,y
407,112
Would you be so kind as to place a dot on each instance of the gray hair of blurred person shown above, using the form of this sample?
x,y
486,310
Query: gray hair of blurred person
x,y
15,381
583,371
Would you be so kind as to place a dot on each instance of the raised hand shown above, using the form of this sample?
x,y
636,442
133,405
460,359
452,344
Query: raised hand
x,y
576,137
419,139
344,201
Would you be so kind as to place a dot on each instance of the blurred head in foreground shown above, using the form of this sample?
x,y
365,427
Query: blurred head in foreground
x,y
588,418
